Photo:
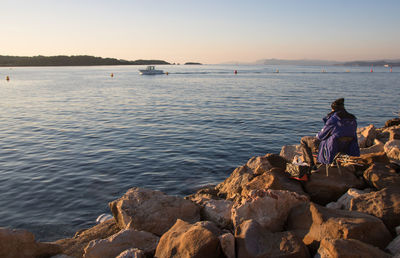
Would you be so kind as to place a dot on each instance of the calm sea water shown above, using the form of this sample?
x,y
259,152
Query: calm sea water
x,y
73,139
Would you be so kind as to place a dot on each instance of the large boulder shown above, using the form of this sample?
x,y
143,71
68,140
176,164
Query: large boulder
x,y
377,147
227,241
231,188
374,158
392,149
267,162
383,204
366,136
269,208
217,211
121,241
382,176
21,243
207,192
190,240
343,203
152,211
323,189
274,179
132,253
290,151
392,122
252,240
75,246
342,248
394,133
312,223
212,207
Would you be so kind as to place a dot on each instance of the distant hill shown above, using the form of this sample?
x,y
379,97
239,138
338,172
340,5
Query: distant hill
x,y
71,61
295,62
372,63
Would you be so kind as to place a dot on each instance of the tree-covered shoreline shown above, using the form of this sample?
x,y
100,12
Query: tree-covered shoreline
x,y
62,60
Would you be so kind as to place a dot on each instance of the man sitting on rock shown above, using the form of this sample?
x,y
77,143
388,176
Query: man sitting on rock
x,y
339,134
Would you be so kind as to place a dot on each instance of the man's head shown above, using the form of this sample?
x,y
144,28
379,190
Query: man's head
x,y
338,104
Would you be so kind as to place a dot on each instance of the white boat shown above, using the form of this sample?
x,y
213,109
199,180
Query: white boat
x,y
150,70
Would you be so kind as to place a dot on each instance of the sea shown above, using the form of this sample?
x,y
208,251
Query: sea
x,y
72,139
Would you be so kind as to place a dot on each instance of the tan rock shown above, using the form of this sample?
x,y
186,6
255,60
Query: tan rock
x,y
190,240
382,176
123,240
394,133
75,246
152,211
343,203
324,189
374,158
376,148
349,248
267,162
383,204
132,253
392,149
208,192
392,122
253,240
227,241
290,151
274,179
21,243
366,136
269,208
231,188
217,211
313,223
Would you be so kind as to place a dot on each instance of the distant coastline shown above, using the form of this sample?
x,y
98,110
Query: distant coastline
x,y
81,60
371,63
312,62
193,63
86,60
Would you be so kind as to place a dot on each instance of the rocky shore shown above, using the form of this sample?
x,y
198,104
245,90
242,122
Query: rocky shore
x,y
258,211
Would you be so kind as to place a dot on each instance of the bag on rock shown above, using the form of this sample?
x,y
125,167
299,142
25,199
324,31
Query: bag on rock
x,y
298,171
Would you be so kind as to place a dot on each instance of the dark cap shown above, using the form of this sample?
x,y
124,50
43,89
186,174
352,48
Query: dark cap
x,y
338,104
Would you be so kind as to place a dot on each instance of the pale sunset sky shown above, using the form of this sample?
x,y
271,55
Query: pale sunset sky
x,y
202,31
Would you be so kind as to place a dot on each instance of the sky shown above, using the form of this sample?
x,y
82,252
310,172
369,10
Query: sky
x,y
205,31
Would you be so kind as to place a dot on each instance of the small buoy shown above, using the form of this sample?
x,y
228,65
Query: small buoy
x,y
372,70
166,73
7,78
235,72
112,75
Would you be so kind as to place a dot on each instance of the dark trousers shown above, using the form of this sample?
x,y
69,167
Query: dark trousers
x,y
309,145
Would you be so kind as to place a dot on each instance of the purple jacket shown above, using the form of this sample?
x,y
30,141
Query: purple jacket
x,y
337,124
